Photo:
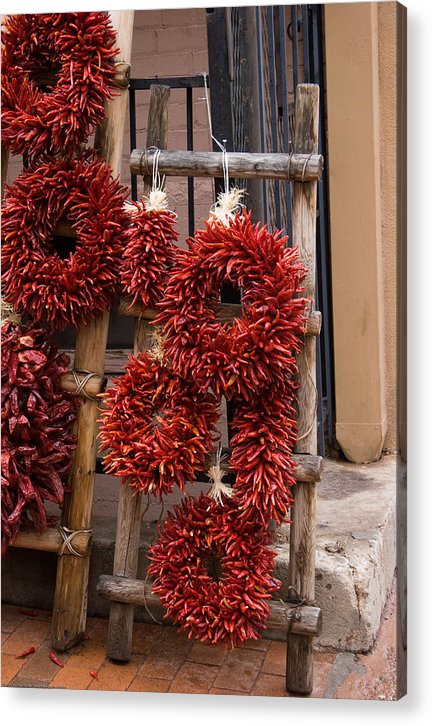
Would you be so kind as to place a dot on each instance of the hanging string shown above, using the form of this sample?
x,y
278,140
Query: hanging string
x,y
222,146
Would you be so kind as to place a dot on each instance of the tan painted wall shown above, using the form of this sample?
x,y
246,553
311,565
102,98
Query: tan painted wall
x,y
387,47
355,223
361,58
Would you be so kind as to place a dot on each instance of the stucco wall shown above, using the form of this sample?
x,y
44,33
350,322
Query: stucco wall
x,y
387,47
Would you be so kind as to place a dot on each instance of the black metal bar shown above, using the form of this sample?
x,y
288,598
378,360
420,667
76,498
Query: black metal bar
x,y
324,276
320,412
144,84
190,181
306,50
274,107
285,109
261,106
133,139
221,105
294,33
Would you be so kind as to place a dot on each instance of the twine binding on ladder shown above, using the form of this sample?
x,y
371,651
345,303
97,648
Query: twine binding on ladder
x,y
67,536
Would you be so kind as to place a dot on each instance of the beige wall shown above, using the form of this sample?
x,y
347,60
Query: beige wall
x,y
361,48
387,47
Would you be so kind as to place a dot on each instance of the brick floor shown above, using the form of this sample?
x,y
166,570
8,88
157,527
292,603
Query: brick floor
x,y
166,661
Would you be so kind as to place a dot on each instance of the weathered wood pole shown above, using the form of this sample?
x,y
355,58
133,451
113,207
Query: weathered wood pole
x,y
305,620
4,167
70,599
299,666
244,165
126,552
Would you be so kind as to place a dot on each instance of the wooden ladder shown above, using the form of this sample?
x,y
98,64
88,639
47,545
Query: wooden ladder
x,y
299,616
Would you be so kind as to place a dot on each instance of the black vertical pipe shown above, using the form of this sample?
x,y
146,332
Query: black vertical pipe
x,y
324,275
219,74
294,32
261,106
274,107
133,139
190,181
285,109
306,46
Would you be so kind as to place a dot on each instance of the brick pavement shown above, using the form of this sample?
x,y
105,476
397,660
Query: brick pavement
x,y
165,661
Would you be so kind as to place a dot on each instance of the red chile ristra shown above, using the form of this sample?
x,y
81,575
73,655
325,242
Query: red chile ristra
x,y
156,427
228,608
80,49
37,416
265,431
40,281
149,253
241,359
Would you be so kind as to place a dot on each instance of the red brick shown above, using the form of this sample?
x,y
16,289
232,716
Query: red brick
x,y
88,656
172,643
10,618
174,64
275,660
158,665
10,667
207,654
115,676
28,633
240,670
147,684
321,674
182,17
144,637
270,685
146,18
72,678
40,667
194,678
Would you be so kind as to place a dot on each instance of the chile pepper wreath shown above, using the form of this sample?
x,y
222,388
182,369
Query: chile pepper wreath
x,y
37,416
156,427
226,607
241,359
78,49
38,278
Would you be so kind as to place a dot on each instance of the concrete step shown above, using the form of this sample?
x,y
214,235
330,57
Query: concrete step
x,y
356,552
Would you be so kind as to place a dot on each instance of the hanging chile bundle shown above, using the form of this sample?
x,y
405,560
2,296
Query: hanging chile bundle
x,y
44,279
57,72
156,426
37,418
213,572
253,363
150,250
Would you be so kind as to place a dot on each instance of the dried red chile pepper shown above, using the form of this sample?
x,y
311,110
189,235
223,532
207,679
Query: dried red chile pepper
x,y
213,572
265,431
37,415
156,428
150,251
78,49
241,359
38,279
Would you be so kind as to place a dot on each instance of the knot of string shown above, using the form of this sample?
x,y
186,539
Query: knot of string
x,y
67,536
157,182
81,383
